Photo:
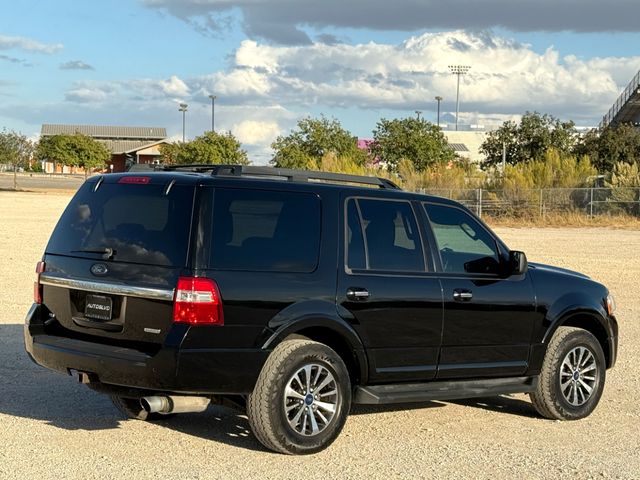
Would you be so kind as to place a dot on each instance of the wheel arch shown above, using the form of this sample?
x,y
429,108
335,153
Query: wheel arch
x,y
587,319
334,333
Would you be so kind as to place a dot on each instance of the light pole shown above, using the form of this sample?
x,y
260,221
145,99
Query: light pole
x,y
458,70
213,112
438,99
418,113
183,109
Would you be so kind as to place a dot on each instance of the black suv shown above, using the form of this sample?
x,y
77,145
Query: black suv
x,y
297,294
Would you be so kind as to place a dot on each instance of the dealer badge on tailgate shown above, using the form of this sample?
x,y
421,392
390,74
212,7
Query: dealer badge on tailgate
x,y
98,307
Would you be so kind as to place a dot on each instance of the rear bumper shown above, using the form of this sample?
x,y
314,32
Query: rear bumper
x,y
171,369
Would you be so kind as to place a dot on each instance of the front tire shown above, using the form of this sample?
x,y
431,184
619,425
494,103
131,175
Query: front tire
x,y
301,399
572,377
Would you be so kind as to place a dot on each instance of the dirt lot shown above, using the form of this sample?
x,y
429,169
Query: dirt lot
x,y
52,427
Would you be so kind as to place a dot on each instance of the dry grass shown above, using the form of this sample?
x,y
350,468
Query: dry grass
x,y
568,219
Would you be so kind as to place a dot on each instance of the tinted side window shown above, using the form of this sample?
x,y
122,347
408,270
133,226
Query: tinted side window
x,y
465,245
265,230
391,236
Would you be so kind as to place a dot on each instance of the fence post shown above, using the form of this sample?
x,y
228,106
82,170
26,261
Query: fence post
x,y
591,204
480,202
541,208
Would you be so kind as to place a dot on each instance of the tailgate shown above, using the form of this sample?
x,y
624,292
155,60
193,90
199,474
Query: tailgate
x,y
109,307
115,256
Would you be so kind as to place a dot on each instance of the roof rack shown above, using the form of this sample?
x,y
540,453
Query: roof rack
x,y
286,173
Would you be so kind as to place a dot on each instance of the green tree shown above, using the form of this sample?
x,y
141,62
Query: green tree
x,y
528,140
15,150
314,138
209,148
74,150
416,140
620,143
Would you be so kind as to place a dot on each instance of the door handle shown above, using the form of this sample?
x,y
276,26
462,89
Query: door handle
x,y
460,295
357,294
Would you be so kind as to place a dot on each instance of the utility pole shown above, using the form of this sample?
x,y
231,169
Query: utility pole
x,y
458,70
438,99
213,112
183,109
418,113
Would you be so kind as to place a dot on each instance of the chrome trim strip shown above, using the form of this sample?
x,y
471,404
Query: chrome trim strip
x,y
106,287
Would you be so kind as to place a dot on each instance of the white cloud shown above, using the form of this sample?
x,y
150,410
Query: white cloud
x,y
505,76
246,82
174,86
254,132
86,95
28,44
148,88
137,91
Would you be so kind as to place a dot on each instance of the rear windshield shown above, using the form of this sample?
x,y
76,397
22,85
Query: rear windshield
x,y
139,223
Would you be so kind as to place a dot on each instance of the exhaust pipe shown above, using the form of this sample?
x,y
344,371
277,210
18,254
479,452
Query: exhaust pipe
x,y
166,404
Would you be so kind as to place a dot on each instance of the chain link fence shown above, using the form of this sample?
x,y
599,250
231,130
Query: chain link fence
x,y
545,201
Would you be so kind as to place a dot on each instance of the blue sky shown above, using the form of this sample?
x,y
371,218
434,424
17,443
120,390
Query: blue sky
x,y
131,62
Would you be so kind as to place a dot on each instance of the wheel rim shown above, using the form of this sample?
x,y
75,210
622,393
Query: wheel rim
x,y
311,399
578,376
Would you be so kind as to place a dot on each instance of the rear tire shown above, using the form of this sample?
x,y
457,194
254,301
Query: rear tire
x,y
572,377
301,399
131,408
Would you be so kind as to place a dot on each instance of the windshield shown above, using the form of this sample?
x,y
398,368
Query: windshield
x,y
126,223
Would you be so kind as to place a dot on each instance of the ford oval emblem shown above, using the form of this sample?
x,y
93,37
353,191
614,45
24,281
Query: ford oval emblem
x,y
99,269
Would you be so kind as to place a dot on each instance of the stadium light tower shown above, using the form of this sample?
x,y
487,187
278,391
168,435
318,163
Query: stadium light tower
x,y
183,109
438,99
458,70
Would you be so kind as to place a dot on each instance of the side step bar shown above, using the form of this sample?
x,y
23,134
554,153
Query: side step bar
x,y
449,390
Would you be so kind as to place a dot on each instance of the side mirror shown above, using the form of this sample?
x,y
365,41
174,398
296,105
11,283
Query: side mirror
x,y
518,262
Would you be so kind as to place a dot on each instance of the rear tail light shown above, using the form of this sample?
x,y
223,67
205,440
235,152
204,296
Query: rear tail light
x,y
197,302
37,287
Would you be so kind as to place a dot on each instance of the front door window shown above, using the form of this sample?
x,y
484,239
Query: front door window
x,y
464,244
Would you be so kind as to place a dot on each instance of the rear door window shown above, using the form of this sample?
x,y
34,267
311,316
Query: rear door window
x,y
265,230
139,223
383,235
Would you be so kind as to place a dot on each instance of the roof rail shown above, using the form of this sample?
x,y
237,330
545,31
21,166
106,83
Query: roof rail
x,y
286,173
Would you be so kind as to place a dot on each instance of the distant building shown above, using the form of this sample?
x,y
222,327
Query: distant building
x,y
365,143
128,145
466,144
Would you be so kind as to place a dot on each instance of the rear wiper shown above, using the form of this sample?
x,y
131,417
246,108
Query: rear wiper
x,y
106,252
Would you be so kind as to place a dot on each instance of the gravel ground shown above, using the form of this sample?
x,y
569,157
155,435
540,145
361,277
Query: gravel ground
x,y
52,427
